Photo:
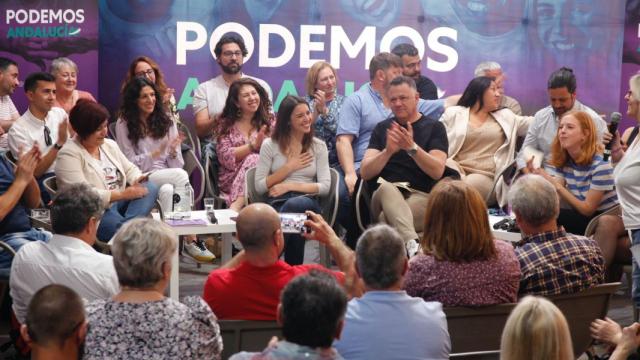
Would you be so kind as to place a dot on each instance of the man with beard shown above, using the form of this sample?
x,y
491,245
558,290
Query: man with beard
x,y
8,83
411,68
210,96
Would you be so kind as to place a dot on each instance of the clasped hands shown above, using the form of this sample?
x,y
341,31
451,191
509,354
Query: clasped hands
x,y
399,138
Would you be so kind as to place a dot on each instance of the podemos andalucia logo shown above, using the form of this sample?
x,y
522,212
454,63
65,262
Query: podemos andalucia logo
x,y
43,23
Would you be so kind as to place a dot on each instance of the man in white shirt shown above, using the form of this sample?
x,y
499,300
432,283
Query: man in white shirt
x,y
69,258
8,112
42,124
210,96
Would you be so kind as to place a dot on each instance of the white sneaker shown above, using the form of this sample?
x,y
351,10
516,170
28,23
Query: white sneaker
x,y
412,247
198,251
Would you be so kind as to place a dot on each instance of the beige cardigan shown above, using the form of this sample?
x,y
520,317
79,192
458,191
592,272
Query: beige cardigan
x,y
74,164
456,120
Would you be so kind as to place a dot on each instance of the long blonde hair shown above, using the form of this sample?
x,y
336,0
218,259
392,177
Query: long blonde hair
x,y
536,330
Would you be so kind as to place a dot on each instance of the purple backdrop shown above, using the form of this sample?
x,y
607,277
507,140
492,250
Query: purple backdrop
x,y
33,33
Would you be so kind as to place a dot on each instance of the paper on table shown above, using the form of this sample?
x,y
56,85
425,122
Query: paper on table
x,y
186,222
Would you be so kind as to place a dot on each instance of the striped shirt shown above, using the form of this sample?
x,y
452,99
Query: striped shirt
x,y
8,110
555,262
580,179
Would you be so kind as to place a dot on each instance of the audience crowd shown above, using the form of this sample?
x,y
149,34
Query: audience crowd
x,y
426,168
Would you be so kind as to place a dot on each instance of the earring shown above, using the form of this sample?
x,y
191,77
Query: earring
x,y
239,113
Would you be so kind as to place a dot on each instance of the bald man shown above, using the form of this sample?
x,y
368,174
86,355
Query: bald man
x,y
248,287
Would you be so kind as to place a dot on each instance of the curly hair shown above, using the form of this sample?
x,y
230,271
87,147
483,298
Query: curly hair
x,y
158,122
230,113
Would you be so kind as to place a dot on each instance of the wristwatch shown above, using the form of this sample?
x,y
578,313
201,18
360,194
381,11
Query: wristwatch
x,y
413,151
57,146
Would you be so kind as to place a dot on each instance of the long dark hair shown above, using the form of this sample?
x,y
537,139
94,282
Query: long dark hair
x,y
474,92
231,112
158,123
131,73
282,133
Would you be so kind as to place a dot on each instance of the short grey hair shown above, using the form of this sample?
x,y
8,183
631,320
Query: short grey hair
x,y
534,200
73,207
139,249
380,255
485,66
58,63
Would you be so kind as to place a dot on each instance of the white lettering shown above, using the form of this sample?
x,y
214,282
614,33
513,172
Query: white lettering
x,y
69,16
183,44
289,45
307,46
34,16
80,16
10,14
448,51
55,16
339,39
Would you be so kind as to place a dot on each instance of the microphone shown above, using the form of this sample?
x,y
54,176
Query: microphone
x,y
613,127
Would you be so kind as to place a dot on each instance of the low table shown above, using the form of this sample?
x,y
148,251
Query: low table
x,y
225,226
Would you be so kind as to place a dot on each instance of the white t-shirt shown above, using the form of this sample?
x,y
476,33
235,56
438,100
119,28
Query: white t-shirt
x,y
112,176
28,130
212,94
627,177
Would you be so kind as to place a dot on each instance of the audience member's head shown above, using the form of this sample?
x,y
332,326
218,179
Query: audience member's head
x,y
55,322
293,110
384,67
494,70
403,99
536,330
144,66
258,229
77,210
410,59
469,238
633,97
321,76
312,309
142,251
40,88
142,100
381,258
89,120
534,201
230,52
65,72
575,128
561,88
482,93
242,94
8,76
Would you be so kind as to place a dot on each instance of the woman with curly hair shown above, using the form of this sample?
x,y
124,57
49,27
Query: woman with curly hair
x,y
144,66
150,139
244,123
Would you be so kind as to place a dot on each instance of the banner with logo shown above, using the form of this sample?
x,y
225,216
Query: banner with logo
x,y
33,33
529,38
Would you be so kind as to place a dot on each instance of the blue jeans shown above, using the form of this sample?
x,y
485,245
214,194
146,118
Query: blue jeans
x,y
124,210
16,240
294,203
635,275
346,212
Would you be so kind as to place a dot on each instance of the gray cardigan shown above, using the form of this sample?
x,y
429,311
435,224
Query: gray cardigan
x,y
271,159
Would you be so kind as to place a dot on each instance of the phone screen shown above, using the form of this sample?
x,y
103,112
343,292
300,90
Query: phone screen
x,y
293,223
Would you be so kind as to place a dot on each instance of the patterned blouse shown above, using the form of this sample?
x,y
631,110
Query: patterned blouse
x,y
326,125
476,283
556,262
164,329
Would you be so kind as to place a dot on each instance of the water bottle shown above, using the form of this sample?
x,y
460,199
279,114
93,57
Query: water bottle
x,y
183,198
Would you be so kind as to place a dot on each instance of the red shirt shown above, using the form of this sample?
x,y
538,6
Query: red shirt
x,y
252,293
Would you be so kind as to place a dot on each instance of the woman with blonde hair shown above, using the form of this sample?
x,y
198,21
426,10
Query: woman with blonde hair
x,y
462,264
66,73
582,178
536,330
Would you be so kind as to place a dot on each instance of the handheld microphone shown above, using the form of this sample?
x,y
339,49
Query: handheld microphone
x,y
613,127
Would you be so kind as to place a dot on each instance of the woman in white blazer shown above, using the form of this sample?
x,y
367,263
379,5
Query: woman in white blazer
x,y
482,137
92,158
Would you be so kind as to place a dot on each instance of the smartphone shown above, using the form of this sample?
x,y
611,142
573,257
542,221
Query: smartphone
x,y
293,223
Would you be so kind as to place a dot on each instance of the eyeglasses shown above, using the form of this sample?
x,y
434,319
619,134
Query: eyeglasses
x,y
232,54
145,73
47,136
